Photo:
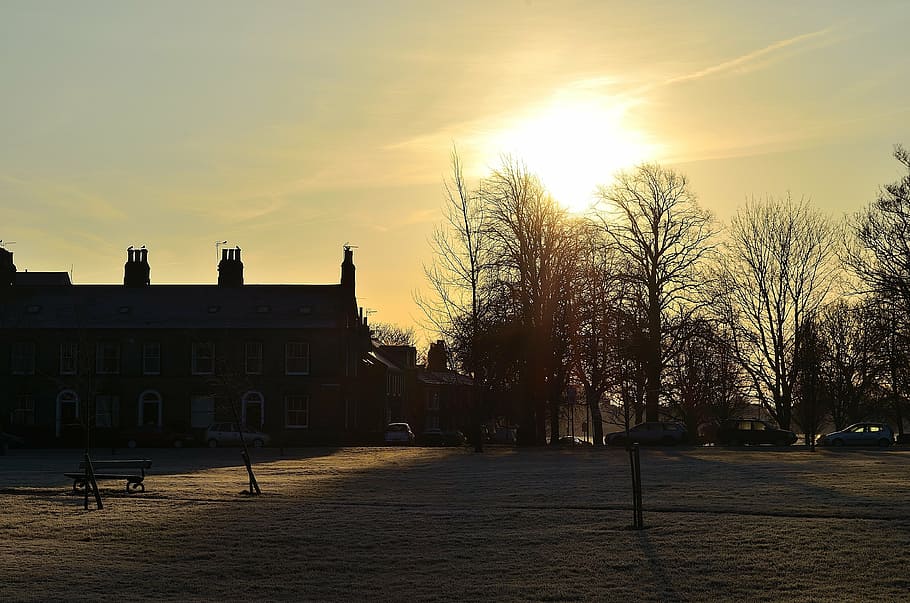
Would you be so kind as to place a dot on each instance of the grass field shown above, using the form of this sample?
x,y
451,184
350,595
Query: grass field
x,y
413,524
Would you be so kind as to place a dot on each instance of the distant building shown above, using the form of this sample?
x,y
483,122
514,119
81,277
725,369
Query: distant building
x,y
283,358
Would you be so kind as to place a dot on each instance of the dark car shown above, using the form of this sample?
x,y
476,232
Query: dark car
x,y
860,434
651,432
150,436
568,441
438,437
739,432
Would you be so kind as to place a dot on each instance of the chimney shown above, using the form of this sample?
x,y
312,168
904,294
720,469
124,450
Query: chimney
x,y
136,270
347,269
7,268
230,268
437,356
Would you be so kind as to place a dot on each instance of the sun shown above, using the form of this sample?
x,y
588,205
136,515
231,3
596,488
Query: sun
x,y
573,144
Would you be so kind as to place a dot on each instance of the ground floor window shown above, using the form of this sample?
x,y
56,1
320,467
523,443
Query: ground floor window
x,y
23,411
297,410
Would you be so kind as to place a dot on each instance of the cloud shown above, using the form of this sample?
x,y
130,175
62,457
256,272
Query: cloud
x,y
749,61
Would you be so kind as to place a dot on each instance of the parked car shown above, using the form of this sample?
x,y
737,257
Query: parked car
x,y
146,436
438,437
399,433
228,434
666,433
568,441
739,432
903,439
859,434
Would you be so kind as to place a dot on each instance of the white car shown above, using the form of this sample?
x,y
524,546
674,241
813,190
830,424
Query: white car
x,y
228,434
399,433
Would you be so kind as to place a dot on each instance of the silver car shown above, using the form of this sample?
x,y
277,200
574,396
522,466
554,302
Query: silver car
x,y
398,433
860,434
228,434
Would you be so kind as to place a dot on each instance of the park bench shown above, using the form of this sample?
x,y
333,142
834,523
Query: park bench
x,y
131,470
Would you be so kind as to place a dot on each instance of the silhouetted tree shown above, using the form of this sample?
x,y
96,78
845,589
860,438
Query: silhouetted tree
x,y
533,251
879,250
852,360
456,275
595,339
387,333
655,222
776,272
809,389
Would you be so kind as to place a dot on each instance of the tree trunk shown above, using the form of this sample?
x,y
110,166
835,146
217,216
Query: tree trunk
x,y
597,428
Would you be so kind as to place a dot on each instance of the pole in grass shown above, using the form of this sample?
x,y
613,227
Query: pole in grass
x,y
638,522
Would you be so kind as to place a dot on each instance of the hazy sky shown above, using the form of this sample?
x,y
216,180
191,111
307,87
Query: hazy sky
x,y
292,128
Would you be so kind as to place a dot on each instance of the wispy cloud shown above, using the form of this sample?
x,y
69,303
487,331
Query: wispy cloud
x,y
751,60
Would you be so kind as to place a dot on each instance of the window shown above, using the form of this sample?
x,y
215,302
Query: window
x,y
23,412
297,358
433,401
69,355
875,428
432,422
253,357
107,411
107,358
203,358
151,358
22,358
297,411
758,426
202,411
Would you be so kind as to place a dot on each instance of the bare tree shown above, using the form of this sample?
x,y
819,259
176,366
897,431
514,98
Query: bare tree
x,y
456,275
777,271
656,224
534,249
597,337
879,250
387,333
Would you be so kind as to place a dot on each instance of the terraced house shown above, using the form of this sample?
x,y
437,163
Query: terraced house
x,y
283,358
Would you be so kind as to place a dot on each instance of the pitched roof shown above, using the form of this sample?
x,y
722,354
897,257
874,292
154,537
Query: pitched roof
x,y
175,306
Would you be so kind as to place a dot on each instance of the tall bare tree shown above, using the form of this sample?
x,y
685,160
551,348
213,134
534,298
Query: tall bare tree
x,y
656,224
777,270
533,251
456,275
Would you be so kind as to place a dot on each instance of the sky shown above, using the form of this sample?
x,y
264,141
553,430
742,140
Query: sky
x,y
293,128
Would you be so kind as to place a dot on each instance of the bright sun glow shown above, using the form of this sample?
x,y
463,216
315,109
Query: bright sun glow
x,y
573,145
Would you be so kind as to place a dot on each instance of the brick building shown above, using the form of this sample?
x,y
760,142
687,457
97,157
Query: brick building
x,y
284,358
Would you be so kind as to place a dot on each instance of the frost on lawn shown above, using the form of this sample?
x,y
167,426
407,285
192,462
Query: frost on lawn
x,y
446,524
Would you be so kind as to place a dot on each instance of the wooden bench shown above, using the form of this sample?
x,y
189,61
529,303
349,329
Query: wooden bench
x,y
131,470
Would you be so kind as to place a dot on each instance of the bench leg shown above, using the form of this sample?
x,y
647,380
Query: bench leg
x,y
133,486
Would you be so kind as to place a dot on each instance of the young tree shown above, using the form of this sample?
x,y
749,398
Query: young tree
x,y
655,223
777,271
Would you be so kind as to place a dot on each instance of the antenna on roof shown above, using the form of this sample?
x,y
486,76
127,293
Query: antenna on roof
x,y
218,245
4,244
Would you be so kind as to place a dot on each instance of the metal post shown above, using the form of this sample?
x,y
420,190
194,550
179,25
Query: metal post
x,y
638,522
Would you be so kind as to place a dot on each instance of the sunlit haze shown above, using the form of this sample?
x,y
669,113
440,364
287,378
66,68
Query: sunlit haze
x,y
293,128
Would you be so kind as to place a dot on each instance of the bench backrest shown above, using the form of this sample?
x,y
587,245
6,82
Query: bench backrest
x,y
119,464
